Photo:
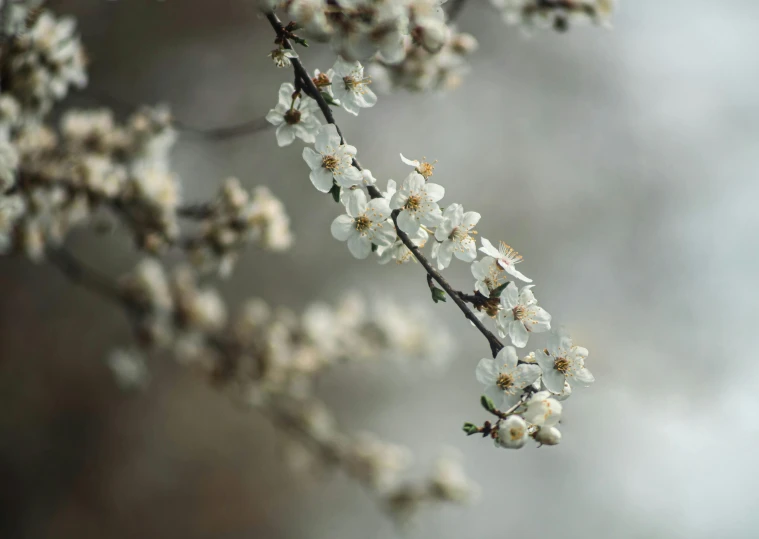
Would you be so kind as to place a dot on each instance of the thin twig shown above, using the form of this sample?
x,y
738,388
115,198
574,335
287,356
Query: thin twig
x,y
84,276
311,89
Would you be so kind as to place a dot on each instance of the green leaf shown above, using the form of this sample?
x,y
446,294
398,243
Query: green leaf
x,y
329,99
487,404
471,428
498,291
335,192
437,294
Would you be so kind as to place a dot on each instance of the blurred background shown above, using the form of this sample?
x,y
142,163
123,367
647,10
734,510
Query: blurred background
x,y
620,163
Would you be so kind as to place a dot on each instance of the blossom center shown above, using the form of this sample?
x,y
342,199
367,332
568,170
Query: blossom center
x,y
519,312
516,433
330,162
504,381
425,169
292,116
356,85
413,203
321,80
562,365
457,234
362,223
509,256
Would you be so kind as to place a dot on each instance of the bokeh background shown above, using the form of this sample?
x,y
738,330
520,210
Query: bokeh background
x,y
620,163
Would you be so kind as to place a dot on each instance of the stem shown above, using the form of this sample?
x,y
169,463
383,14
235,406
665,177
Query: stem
x,y
310,88
85,276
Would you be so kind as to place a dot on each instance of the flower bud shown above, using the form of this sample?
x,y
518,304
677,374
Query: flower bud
x,y
547,436
512,433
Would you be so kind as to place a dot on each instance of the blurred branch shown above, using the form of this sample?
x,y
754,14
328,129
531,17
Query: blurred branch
x,y
220,133
84,276
311,90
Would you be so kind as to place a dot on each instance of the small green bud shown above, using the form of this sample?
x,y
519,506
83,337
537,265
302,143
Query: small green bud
x,y
471,428
437,294
487,404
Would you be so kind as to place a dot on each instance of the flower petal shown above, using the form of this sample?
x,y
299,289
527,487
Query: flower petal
x,y
486,371
342,227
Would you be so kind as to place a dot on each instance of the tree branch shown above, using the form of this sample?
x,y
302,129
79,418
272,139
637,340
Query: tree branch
x,y
310,88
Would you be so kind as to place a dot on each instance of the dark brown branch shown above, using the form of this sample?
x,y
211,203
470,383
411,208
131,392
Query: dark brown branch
x,y
84,276
495,344
311,89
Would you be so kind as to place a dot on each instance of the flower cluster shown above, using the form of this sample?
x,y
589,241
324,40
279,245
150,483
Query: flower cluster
x,y
530,389
557,14
361,29
63,177
237,218
422,70
397,224
269,359
42,61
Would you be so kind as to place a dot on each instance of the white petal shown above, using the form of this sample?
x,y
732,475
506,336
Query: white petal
x,y
378,210
526,375
507,357
488,249
327,139
510,269
411,162
509,296
553,380
584,377
470,219
356,203
408,222
342,227
434,191
444,255
518,334
359,246
285,135
312,158
486,371
349,177
322,179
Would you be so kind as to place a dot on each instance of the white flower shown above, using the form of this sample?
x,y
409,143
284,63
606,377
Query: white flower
x,y
506,257
129,369
422,167
561,362
331,161
453,233
547,436
365,223
503,378
543,410
281,57
399,252
520,315
512,432
294,121
487,274
351,87
417,201
449,482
